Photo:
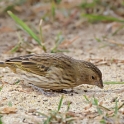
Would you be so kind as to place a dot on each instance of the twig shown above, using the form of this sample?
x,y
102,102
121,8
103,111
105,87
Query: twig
x,y
114,42
67,43
106,61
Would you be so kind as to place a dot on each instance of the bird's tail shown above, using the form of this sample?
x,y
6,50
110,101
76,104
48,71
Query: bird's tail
x,y
2,64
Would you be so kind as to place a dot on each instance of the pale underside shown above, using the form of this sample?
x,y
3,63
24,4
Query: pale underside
x,y
52,80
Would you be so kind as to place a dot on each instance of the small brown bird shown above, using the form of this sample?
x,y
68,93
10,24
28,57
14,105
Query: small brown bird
x,y
54,71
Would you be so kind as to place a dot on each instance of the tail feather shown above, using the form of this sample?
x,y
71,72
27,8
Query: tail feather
x,y
2,64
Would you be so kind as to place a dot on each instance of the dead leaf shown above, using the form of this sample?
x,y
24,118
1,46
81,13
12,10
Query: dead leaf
x,y
8,110
87,107
67,103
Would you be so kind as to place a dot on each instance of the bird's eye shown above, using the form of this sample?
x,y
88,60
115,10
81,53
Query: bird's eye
x,y
93,77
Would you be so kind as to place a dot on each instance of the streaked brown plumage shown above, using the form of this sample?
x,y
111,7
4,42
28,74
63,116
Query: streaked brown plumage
x,y
55,71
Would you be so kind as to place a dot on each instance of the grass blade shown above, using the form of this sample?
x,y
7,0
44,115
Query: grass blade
x,y
60,102
87,99
48,120
97,106
1,119
15,48
113,82
58,41
68,106
25,27
116,107
10,104
53,9
93,17
1,87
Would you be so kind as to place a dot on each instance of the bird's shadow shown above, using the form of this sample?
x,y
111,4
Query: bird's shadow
x,y
91,91
76,91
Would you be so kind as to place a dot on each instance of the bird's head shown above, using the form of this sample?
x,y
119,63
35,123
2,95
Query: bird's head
x,y
89,74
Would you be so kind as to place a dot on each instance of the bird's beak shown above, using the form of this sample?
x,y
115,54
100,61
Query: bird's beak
x,y
100,84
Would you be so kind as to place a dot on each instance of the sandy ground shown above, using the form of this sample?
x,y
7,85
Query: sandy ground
x,y
27,101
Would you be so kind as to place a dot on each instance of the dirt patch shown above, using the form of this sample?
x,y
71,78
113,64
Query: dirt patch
x,y
29,101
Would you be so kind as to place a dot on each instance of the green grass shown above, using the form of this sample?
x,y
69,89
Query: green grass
x,y
95,102
25,27
58,41
10,104
39,40
96,18
113,82
1,87
103,111
55,116
1,119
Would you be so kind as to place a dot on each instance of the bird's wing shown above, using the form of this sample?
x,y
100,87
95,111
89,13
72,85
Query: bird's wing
x,y
41,64
56,67
27,63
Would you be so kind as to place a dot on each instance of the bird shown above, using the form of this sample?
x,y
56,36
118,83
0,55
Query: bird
x,y
54,71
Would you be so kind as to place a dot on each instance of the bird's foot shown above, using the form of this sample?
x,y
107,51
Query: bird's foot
x,y
70,92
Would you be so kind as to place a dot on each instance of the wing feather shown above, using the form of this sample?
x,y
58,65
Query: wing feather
x,y
41,64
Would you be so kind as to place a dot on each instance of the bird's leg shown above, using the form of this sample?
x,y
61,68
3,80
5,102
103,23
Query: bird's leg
x,y
43,91
72,90
37,88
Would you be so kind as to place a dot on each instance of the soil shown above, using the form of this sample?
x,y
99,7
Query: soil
x,y
107,54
